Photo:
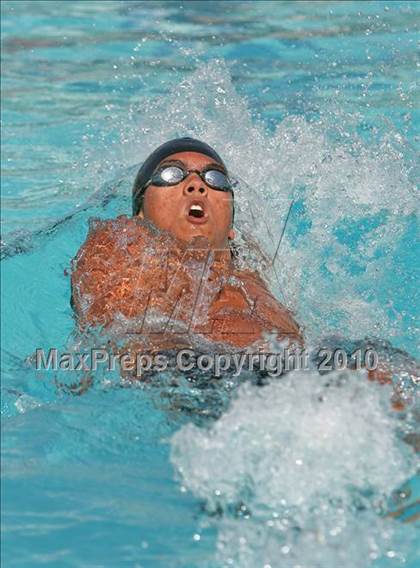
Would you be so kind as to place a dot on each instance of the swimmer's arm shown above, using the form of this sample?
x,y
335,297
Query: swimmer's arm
x,y
91,278
107,276
88,274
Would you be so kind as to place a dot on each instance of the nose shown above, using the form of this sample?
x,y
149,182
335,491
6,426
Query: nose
x,y
195,185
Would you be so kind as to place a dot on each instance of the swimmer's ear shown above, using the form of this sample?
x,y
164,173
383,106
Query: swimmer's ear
x,y
231,234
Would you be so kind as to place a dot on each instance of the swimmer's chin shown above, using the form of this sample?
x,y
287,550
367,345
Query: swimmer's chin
x,y
186,241
159,233
199,241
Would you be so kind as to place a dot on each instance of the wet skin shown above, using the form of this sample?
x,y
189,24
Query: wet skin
x,y
168,207
131,267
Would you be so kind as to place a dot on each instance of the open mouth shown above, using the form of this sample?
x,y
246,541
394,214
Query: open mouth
x,y
197,213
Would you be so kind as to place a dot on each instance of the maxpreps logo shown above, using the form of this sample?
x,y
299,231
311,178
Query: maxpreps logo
x,y
273,364
54,360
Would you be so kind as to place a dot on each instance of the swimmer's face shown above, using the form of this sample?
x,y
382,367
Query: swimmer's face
x,y
171,208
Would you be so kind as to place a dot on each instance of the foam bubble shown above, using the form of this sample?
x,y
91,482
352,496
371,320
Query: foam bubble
x,y
305,464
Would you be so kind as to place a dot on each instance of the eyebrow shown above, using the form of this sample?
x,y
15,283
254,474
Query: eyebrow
x,y
216,166
177,162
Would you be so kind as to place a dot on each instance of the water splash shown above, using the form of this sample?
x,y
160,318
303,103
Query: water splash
x,y
353,192
300,471
343,263
354,208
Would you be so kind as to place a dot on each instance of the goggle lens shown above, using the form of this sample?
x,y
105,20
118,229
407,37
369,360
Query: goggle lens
x,y
172,175
217,180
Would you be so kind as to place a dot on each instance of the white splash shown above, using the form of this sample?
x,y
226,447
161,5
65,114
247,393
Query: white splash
x,y
338,181
310,462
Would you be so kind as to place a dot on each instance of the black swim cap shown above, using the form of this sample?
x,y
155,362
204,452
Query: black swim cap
x,y
165,150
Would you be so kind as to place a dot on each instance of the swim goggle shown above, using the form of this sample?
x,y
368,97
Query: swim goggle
x,y
172,175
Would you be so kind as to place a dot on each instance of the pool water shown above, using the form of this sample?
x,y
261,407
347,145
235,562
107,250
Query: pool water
x,y
311,103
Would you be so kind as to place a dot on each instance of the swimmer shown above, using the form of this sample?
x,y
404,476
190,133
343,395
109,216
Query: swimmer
x,y
166,277
169,270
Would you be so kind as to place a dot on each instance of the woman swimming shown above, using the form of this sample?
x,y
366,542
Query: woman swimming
x,y
168,272
166,278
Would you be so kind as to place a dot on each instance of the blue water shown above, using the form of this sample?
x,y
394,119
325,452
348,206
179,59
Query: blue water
x,y
314,102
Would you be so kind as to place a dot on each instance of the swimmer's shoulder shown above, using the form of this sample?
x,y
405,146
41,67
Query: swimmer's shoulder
x,y
119,227
267,306
107,235
252,281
